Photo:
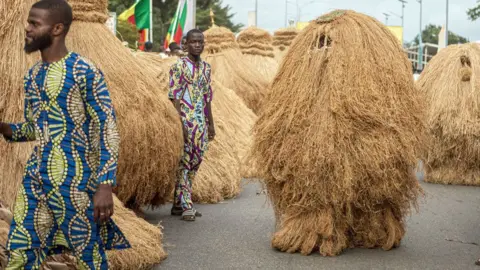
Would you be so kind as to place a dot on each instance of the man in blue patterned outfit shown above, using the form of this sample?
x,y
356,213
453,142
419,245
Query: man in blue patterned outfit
x,y
66,201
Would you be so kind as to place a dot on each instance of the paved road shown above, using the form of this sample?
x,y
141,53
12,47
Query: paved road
x,y
236,235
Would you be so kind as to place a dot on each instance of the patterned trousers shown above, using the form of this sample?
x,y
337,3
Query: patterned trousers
x,y
194,150
32,259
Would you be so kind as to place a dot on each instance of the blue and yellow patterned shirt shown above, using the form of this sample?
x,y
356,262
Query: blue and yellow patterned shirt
x,y
68,110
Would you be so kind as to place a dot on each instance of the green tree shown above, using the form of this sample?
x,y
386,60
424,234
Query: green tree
x,y
223,15
430,35
127,32
474,13
163,13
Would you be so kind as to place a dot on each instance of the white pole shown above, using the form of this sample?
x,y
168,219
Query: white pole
x,y
286,9
446,28
194,14
256,13
151,22
420,42
403,24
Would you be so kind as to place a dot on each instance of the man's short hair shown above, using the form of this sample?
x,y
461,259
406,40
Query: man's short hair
x,y
173,46
60,11
193,31
148,45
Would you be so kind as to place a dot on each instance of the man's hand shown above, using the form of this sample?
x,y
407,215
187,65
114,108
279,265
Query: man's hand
x,y
5,130
185,133
103,203
211,132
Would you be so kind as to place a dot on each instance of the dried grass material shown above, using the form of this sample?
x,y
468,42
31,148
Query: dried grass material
x,y
285,32
10,12
255,41
219,176
282,39
3,258
451,85
145,238
94,11
230,68
256,46
254,34
151,133
158,67
338,140
218,39
13,65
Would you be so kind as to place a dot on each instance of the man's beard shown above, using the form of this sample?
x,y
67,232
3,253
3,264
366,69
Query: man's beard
x,y
39,43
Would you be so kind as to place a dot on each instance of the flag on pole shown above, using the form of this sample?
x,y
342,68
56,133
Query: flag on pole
x,y
139,15
182,22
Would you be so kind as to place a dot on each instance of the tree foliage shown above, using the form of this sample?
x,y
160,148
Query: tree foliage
x,y
163,13
430,35
474,13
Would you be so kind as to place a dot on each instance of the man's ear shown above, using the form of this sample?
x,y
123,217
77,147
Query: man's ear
x,y
58,29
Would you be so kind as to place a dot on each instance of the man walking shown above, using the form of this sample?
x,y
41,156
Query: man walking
x,y
191,92
66,201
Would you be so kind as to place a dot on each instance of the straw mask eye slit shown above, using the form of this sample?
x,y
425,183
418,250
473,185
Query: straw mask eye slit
x,y
466,71
324,42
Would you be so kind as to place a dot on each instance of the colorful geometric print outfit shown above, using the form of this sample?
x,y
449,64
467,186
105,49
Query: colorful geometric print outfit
x,y
69,112
191,85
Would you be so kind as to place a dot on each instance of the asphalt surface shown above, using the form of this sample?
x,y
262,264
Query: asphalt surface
x,y
236,235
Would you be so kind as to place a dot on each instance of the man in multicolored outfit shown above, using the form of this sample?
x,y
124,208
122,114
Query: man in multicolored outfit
x,y
191,92
66,201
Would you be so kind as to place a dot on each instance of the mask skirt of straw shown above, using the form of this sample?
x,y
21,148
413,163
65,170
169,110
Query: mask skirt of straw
x,y
336,142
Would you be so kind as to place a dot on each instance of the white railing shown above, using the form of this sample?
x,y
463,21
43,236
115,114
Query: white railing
x,y
413,55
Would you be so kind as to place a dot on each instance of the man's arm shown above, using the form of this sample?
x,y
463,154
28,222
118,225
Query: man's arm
x,y
20,132
208,96
100,108
175,92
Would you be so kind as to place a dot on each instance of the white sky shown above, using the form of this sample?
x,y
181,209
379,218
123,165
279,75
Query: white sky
x,y
271,13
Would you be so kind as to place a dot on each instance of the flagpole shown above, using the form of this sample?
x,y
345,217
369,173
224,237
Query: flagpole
x,y
194,14
151,21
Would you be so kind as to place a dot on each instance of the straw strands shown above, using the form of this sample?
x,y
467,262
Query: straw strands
x,y
219,175
451,85
151,133
338,140
144,238
14,63
231,69
282,39
256,46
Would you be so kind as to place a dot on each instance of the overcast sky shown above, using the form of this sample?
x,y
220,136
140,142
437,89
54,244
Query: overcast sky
x,y
271,13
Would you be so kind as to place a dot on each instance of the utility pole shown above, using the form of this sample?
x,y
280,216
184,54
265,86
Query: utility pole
x,y
256,13
403,17
386,18
446,28
420,42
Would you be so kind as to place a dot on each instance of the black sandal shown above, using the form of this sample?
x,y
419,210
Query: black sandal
x,y
176,211
477,262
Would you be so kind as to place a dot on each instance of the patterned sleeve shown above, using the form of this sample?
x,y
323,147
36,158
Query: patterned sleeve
x,y
103,126
25,131
208,95
176,82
